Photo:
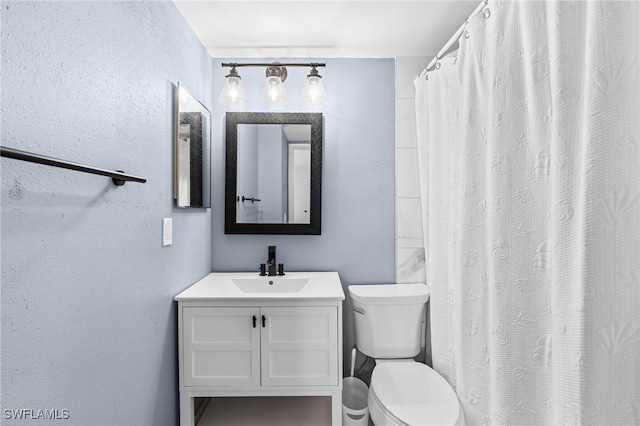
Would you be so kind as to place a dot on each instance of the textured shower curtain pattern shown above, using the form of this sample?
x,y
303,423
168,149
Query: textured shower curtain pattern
x,y
530,171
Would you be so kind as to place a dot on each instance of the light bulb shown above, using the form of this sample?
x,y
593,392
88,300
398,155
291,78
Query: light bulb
x,y
233,89
273,90
313,88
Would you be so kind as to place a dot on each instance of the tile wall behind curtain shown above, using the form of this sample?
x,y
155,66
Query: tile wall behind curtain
x,y
410,261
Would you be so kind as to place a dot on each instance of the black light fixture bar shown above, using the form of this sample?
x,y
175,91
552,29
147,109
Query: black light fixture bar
x,y
273,92
280,64
118,177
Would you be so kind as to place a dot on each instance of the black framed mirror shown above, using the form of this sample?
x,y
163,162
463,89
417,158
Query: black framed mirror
x,y
273,173
192,151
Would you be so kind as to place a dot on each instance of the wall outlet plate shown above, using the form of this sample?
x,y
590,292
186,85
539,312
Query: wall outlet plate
x,y
167,231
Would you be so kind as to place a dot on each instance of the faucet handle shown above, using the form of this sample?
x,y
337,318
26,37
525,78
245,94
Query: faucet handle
x,y
280,269
263,269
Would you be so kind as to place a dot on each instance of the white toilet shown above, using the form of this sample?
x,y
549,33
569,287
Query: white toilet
x,y
389,328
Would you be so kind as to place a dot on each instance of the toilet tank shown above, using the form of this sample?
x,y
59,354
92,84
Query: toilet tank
x,y
388,318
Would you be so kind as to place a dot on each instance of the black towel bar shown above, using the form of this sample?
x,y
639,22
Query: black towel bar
x,y
118,177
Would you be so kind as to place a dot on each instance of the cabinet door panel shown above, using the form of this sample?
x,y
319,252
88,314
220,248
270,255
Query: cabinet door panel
x,y
299,346
221,346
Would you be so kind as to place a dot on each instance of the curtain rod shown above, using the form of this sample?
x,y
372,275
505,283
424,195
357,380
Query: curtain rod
x,y
453,38
118,177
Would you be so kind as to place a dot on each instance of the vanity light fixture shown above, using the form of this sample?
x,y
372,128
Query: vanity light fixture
x,y
233,92
273,93
313,92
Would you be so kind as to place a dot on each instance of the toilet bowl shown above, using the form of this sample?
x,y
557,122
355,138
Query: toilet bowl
x,y
389,320
412,394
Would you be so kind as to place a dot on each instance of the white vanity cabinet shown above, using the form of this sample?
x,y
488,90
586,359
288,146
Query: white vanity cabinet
x,y
233,344
260,346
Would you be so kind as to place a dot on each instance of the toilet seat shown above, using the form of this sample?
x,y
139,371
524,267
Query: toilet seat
x,y
411,393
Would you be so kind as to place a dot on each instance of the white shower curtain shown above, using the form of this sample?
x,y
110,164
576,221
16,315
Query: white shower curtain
x,y
530,180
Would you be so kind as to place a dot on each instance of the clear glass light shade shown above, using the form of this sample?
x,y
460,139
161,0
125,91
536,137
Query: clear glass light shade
x,y
313,92
233,92
273,92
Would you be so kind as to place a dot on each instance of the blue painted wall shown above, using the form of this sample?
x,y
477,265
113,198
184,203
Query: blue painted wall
x,y
88,321
358,182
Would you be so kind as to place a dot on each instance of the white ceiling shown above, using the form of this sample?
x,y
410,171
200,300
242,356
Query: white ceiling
x,y
324,29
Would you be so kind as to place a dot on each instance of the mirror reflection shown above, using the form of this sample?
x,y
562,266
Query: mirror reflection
x,y
274,173
192,160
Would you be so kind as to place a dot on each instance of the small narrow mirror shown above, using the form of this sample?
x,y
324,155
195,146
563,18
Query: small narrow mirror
x,y
192,151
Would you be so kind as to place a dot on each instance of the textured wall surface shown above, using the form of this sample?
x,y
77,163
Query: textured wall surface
x,y
358,181
88,321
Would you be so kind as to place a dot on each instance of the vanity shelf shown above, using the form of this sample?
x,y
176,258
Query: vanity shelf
x,y
254,343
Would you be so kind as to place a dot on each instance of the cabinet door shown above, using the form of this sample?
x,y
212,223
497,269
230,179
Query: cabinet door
x,y
221,346
300,346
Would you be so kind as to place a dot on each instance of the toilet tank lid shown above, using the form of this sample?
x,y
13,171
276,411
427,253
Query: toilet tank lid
x,y
389,294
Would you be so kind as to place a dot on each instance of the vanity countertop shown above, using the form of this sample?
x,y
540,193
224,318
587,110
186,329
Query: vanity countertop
x,y
292,286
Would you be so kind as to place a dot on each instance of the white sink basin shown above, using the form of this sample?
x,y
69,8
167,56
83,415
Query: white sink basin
x,y
250,285
270,284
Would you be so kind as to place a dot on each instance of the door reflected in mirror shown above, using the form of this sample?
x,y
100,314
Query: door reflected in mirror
x,y
273,173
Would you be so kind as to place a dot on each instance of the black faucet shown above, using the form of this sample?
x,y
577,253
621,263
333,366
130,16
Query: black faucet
x,y
271,262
